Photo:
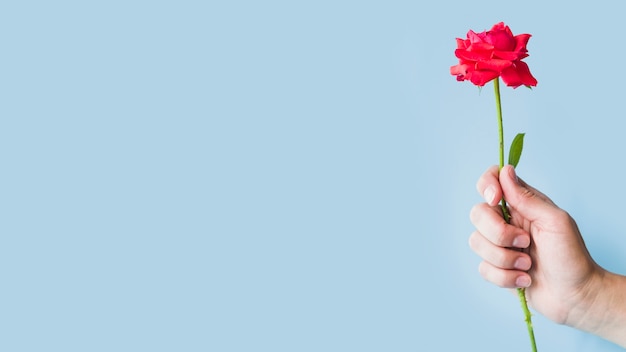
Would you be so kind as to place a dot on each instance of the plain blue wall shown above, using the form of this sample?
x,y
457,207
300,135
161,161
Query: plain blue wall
x,y
285,176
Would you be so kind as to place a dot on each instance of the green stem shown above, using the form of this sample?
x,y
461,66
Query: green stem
x,y
521,292
496,87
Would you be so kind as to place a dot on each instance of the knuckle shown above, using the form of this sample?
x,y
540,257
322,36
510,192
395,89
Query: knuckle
x,y
500,259
477,212
562,217
473,240
495,275
483,270
501,236
474,213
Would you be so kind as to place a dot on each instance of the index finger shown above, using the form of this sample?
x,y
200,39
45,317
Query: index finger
x,y
488,185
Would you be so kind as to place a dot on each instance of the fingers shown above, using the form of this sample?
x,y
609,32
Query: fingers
x,y
490,224
494,241
488,186
504,278
499,257
529,202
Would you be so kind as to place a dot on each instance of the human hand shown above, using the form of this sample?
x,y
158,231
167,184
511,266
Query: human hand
x,y
541,249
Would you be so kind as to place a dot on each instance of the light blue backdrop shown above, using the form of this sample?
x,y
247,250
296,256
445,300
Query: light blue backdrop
x,y
285,176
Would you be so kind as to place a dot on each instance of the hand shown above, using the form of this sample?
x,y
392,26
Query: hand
x,y
541,249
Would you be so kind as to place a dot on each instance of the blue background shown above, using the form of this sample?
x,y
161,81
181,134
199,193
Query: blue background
x,y
285,176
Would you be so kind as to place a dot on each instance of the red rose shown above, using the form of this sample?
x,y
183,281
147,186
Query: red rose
x,y
491,54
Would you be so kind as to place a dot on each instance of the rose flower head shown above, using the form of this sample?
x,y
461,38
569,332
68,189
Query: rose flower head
x,y
492,54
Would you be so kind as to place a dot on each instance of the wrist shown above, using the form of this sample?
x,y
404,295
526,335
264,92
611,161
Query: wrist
x,y
585,310
601,307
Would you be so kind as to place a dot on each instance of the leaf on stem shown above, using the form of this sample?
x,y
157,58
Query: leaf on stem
x,y
516,149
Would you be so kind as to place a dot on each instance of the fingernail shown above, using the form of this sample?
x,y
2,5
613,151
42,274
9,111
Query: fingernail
x,y
522,263
521,242
522,281
489,194
512,174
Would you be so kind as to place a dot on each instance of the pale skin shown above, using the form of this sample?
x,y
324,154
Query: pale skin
x,y
543,251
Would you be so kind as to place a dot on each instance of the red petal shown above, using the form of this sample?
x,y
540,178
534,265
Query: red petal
x,y
473,37
472,55
520,42
506,55
501,40
462,43
480,78
517,75
524,72
480,47
511,78
493,65
459,69
500,27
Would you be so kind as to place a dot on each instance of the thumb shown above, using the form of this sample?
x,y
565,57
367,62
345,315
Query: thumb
x,y
529,202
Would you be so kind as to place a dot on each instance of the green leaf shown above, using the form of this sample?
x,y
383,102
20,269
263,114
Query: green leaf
x,y
516,149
